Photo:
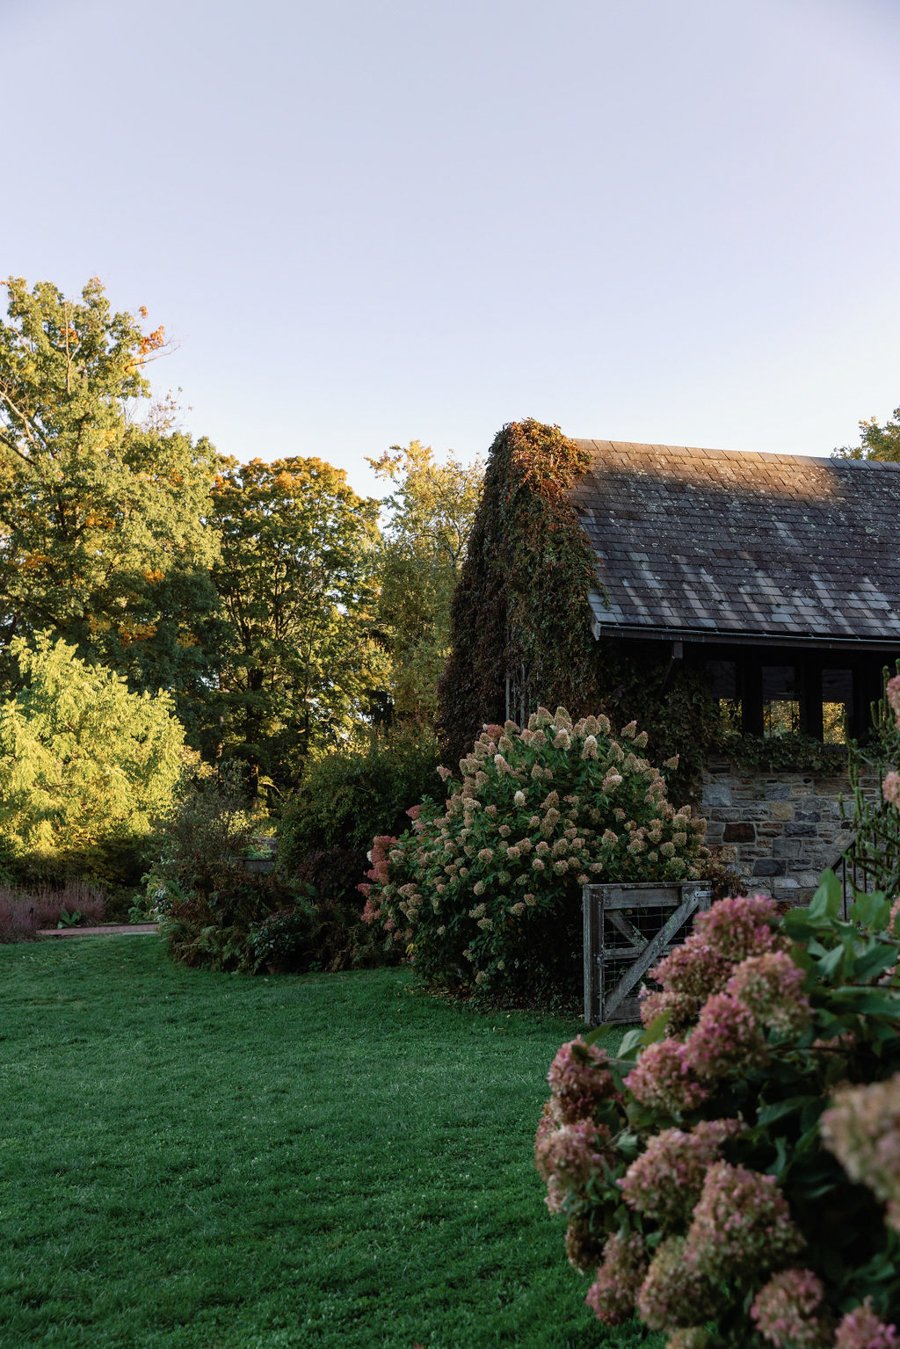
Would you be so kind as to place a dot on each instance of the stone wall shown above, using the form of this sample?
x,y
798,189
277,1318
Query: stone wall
x,y
779,830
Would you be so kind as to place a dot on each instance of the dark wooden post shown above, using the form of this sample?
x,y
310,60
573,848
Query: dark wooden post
x,y
591,914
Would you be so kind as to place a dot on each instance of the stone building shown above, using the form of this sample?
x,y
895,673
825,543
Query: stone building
x,y
779,577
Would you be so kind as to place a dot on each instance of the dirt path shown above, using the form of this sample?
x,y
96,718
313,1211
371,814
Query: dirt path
x,y
107,930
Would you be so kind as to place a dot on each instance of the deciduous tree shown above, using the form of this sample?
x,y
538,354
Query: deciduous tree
x,y
430,515
103,533
875,441
298,588
84,763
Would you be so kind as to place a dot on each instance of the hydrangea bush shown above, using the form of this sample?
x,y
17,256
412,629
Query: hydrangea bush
x,y
733,1177
483,892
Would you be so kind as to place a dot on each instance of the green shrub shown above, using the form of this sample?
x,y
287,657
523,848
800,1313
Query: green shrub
x,y
285,938
731,1167
200,888
215,928
345,799
483,893
327,826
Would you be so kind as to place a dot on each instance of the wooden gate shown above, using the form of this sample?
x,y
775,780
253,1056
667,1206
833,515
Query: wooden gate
x,y
627,929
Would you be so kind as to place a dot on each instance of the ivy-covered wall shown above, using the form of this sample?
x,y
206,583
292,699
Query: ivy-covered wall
x,y
520,607
521,623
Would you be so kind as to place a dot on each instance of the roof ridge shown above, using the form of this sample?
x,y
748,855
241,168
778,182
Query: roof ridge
x,y
711,451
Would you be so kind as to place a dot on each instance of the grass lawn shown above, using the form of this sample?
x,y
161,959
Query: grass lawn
x,y
198,1159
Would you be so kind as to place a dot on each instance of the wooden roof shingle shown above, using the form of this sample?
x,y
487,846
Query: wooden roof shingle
x,y
728,545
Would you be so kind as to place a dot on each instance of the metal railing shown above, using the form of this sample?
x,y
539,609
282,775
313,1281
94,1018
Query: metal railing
x,y
871,861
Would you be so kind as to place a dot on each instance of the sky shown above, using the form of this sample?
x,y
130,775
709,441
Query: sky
x,y
364,222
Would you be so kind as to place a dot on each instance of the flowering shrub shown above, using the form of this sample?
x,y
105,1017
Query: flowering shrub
x,y
483,893
738,1165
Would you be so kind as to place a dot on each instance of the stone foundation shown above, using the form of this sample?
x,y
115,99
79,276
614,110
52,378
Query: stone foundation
x,y
778,831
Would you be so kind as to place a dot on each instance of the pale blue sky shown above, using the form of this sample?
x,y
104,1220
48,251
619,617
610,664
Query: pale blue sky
x,y
367,221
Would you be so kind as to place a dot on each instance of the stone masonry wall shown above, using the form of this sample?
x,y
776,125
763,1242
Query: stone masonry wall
x,y
780,830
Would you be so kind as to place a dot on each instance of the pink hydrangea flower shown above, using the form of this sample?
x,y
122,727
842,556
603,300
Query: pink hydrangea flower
x,y
862,1129
741,1222
557,1194
571,1152
693,968
689,975
726,1040
893,696
371,911
665,1182
579,1078
652,1004
772,987
740,927
674,1292
661,1080
786,1311
890,789
861,1329
611,1295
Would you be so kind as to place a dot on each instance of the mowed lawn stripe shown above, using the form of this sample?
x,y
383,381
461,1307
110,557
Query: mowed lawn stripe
x,y
198,1159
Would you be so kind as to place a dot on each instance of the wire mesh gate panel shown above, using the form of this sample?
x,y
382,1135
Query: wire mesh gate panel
x,y
627,929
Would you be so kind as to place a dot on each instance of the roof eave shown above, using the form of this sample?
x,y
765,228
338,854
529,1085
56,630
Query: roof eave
x,y
720,637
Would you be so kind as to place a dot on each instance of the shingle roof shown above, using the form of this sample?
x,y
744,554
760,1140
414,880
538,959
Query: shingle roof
x,y
724,544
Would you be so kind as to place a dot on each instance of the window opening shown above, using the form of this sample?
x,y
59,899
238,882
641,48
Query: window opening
x,y
780,700
837,706
723,680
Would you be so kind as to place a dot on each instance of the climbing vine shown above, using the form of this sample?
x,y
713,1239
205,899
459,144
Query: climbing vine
x,y
521,607
521,622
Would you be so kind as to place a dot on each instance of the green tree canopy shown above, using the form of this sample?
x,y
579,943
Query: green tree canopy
x,y
430,516
298,589
103,533
83,761
875,441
